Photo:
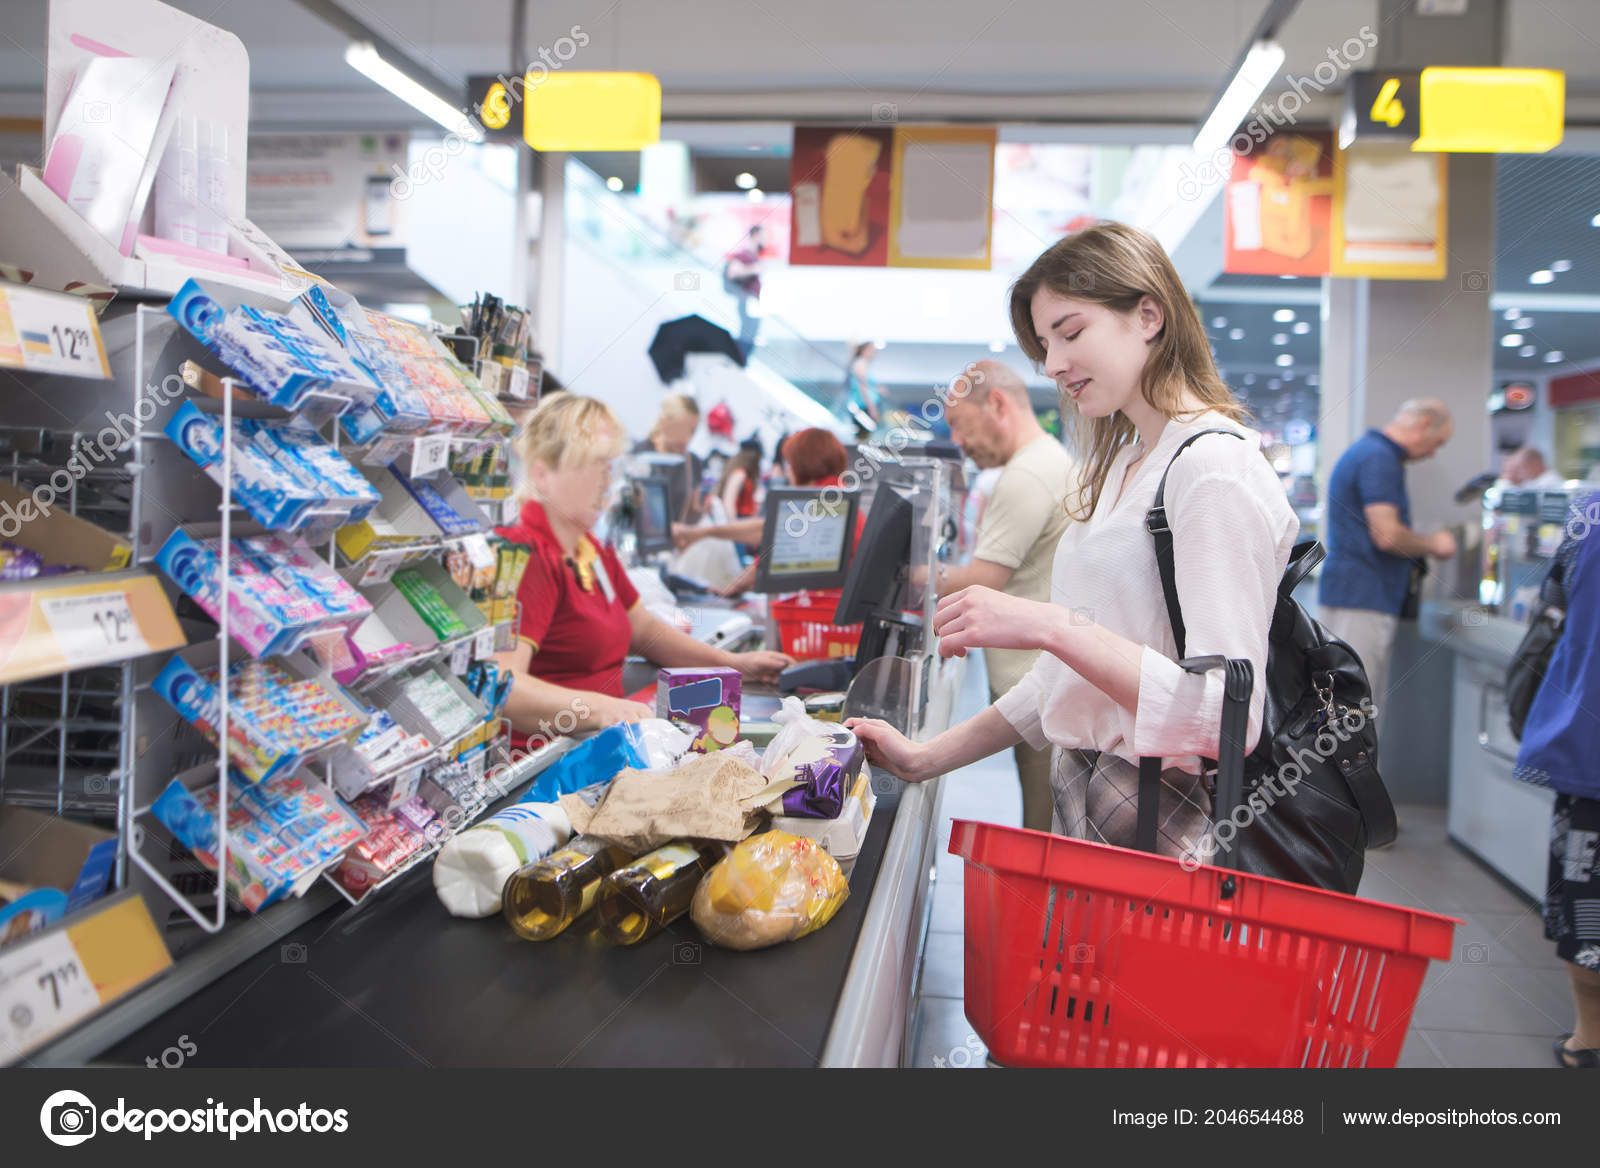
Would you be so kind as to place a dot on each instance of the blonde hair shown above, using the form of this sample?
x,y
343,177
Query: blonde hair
x,y
565,429
674,407
1115,265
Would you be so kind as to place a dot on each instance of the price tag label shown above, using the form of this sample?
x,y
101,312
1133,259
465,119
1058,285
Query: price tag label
x,y
483,644
381,568
43,989
519,383
490,375
430,455
461,657
50,332
94,628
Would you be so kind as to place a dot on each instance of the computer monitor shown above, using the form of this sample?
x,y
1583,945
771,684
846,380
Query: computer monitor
x,y
807,538
652,515
678,472
872,585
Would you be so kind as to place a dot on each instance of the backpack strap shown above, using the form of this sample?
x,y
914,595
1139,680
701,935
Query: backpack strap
x,y
1155,522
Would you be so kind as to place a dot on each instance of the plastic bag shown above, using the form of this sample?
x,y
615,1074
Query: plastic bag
x,y
819,761
771,888
645,745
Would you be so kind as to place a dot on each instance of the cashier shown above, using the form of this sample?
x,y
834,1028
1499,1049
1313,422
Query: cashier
x,y
580,616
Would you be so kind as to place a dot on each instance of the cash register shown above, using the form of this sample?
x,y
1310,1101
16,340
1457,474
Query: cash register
x,y
806,544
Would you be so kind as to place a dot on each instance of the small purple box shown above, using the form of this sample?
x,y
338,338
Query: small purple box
x,y
705,698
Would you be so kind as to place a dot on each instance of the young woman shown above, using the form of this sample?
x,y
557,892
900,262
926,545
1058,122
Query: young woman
x,y
1105,315
862,403
737,490
580,615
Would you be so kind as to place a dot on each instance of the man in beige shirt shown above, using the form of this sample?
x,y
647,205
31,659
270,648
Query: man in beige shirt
x,y
993,422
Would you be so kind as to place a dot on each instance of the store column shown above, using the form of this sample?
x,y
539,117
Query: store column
x,y
546,280
1390,340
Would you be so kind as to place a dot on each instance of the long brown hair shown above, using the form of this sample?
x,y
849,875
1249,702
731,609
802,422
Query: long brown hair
x,y
1115,265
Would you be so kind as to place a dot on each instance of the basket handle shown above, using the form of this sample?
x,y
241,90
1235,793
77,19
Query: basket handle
x,y
1240,679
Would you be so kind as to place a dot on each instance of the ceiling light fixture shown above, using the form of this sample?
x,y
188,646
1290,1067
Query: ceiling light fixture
x,y
1285,359
1561,266
1554,357
613,183
744,180
1249,378
1283,315
755,194
363,57
1248,83
1219,322
1522,323
1280,338
997,346
1301,327
1236,334
1526,351
1542,276
1511,340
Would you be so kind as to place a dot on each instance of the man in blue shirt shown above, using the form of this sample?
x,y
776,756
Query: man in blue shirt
x,y
1370,540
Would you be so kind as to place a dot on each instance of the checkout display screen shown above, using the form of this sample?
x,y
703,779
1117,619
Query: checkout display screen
x,y
810,539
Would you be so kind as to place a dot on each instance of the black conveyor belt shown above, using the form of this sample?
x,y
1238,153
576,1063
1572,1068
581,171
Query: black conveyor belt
x,y
401,983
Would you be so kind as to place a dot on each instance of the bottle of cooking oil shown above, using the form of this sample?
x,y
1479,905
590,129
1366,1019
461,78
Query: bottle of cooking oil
x,y
641,899
546,896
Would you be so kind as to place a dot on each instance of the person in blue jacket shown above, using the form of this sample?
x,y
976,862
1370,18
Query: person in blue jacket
x,y
1560,743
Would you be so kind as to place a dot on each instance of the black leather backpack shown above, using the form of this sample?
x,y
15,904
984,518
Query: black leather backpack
x,y
1307,802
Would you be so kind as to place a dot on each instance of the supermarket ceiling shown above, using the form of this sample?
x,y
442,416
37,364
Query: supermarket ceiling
x,y
1058,60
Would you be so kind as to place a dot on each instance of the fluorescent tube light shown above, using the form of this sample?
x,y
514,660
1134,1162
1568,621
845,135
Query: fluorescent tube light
x,y
363,57
1249,83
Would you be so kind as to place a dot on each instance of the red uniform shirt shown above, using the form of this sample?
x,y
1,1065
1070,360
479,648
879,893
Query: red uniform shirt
x,y
578,628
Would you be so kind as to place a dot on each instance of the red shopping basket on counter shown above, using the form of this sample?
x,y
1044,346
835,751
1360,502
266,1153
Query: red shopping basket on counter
x,y
806,629
1080,954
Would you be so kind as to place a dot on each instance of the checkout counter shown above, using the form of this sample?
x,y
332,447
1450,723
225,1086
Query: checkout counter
x,y
399,982
1504,822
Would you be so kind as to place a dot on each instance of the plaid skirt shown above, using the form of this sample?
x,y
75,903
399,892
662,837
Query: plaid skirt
x,y
1096,798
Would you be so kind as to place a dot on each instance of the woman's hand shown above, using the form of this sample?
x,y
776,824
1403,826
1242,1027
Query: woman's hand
x,y
761,665
608,711
888,748
684,534
982,618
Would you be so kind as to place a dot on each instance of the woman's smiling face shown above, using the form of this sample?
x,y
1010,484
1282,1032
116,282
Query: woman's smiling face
x,y
1095,354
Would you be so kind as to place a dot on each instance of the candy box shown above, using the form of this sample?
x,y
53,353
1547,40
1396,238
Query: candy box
x,y
705,698
271,496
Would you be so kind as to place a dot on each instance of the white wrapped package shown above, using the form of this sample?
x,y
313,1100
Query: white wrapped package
x,y
472,868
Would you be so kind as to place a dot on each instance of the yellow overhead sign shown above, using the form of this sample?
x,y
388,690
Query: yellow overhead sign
x,y
1491,111
592,111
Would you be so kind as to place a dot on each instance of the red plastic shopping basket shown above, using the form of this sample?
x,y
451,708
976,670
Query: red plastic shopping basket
x,y
1083,955
805,626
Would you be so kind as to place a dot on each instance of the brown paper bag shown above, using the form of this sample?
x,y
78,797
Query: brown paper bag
x,y
707,796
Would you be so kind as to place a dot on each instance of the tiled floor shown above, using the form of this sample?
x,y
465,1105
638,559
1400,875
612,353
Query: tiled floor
x,y
1497,1003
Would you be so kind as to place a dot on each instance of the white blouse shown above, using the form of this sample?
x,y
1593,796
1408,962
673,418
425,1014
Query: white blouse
x,y
1232,532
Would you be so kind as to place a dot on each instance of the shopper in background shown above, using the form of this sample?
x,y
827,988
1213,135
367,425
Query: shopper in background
x,y
1370,540
992,420
580,616
1560,741
741,278
737,490
674,429
811,458
1107,317
1525,469
862,404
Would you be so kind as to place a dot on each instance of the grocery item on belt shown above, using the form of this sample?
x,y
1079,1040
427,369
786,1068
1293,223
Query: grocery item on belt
x,y
544,897
637,901
472,868
707,698
771,888
643,745
795,757
842,836
705,797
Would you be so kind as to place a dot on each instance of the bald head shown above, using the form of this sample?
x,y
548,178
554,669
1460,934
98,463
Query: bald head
x,y
990,414
1523,465
1420,426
